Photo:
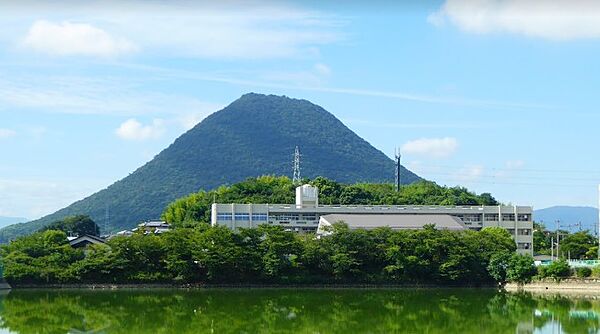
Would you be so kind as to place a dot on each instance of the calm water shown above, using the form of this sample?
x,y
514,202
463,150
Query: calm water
x,y
294,311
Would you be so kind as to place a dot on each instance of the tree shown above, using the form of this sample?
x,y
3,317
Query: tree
x,y
218,253
499,266
280,251
78,225
577,245
521,269
541,239
42,257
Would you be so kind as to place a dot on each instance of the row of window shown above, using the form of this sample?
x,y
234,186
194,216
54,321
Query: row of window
x,y
294,217
242,216
493,217
520,231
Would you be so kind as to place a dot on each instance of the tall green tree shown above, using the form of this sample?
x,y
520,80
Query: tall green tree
x,y
577,245
78,225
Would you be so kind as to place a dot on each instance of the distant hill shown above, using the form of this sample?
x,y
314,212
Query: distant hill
x,y
4,221
588,216
255,135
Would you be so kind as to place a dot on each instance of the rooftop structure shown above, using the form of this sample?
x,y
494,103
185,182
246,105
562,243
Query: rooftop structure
x,y
304,216
153,226
393,221
85,240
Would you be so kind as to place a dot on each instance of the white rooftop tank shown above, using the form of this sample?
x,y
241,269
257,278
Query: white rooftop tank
x,y
307,196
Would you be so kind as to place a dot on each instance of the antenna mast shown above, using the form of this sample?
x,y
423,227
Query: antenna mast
x,y
397,156
296,177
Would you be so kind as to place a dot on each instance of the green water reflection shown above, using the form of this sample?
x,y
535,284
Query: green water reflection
x,y
295,311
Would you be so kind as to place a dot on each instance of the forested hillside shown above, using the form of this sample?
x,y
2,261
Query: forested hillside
x,y
195,208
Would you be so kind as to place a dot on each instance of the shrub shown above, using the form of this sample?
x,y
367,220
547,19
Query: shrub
x,y
557,270
583,272
596,271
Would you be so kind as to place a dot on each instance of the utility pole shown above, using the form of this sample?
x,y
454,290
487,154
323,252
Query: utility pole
x,y
557,239
552,248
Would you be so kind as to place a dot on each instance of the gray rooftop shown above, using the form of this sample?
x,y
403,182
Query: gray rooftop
x,y
396,221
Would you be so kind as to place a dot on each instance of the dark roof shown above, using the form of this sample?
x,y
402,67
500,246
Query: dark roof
x,y
87,238
396,221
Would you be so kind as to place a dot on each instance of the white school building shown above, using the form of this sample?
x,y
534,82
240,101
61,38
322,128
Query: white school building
x,y
307,215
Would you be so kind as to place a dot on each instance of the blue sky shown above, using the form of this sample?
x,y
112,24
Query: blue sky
x,y
498,96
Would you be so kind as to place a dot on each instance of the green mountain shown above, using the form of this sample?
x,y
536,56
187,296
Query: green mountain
x,y
4,221
255,135
569,217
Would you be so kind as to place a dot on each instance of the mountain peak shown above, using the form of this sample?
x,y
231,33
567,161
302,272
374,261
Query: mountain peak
x,y
255,135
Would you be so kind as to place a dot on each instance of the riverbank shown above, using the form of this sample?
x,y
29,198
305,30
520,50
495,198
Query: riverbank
x,y
587,286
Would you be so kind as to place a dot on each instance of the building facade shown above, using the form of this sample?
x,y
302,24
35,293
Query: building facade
x,y
304,216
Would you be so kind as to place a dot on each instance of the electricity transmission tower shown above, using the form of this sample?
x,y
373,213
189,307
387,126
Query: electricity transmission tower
x,y
296,177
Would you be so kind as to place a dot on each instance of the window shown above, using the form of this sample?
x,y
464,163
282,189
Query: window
x,y
524,217
511,231
242,216
287,216
508,217
470,217
492,217
524,231
259,217
223,216
523,245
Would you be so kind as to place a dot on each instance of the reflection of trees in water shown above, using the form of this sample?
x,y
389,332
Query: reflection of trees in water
x,y
280,311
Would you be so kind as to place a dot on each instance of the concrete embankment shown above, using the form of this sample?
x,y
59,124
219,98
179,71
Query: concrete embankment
x,y
590,286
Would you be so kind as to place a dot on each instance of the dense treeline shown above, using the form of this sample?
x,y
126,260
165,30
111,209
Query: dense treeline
x,y
271,255
578,245
75,226
195,208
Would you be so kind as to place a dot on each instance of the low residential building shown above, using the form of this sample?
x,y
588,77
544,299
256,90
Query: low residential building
x,y
153,226
304,216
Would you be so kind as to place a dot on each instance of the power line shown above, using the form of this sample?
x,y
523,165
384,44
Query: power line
x,y
506,169
465,173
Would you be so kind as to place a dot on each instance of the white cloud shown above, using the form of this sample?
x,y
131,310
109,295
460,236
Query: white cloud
x,y
66,38
431,147
469,173
5,133
134,130
203,29
553,20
